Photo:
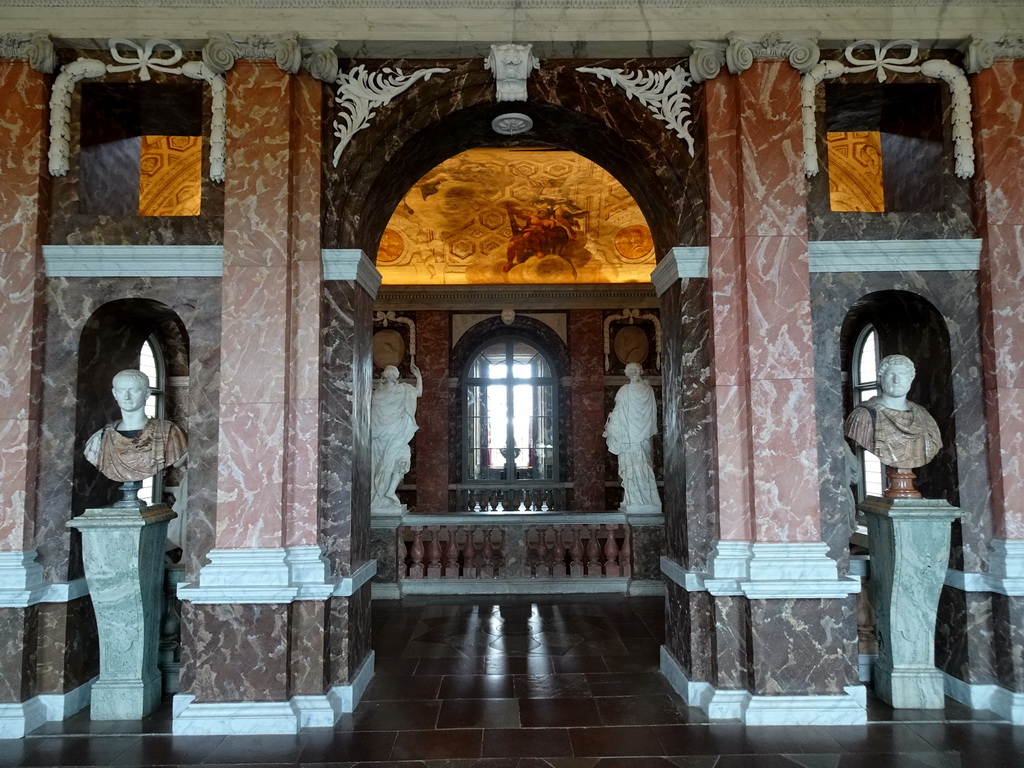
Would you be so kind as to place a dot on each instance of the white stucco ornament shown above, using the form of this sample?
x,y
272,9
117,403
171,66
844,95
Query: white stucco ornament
x,y
512,124
511,64
665,94
360,92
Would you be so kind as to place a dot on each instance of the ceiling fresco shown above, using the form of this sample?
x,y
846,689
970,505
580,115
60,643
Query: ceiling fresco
x,y
529,216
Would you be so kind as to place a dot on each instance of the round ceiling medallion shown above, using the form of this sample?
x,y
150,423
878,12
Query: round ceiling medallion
x,y
512,123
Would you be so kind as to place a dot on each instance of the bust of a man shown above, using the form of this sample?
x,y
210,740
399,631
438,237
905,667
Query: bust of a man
x,y
900,433
135,447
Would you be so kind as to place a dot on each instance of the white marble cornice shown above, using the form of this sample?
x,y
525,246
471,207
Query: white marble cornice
x,y
224,49
981,51
801,50
36,47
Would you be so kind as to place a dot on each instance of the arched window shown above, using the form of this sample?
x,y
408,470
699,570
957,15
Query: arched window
x,y
151,363
865,386
510,433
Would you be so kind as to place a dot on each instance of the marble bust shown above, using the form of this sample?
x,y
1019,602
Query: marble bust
x,y
392,426
628,430
135,447
900,433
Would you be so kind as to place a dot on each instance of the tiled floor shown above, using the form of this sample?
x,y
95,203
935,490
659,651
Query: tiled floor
x,y
566,683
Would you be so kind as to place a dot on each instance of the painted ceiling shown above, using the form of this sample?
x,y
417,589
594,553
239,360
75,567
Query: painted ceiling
x,y
519,216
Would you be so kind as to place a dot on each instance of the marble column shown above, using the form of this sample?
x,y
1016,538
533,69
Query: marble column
x,y
23,190
433,413
586,398
999,142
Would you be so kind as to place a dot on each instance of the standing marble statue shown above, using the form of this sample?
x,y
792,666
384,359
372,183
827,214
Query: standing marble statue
x,y
135,447
900,433
629,429
392,426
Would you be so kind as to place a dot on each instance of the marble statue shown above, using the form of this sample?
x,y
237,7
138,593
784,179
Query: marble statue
x,y
392,426
629,429
900,433
135,447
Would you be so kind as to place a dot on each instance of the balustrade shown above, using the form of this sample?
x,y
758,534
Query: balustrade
x,y
492,551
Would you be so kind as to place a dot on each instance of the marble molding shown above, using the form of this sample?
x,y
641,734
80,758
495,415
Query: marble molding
x,y
909,549
123,552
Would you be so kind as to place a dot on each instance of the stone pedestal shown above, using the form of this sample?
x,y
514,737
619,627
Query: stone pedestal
x,y
909,545
123,552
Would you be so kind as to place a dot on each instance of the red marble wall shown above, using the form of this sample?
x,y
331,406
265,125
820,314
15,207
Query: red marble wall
x,y
999,141
255,304
433,454
586,393
23,98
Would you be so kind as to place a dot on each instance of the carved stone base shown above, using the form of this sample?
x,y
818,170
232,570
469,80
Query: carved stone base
x,y
906,688
901,484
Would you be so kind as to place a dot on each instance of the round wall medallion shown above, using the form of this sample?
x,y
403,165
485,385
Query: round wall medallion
x,y
634,241
391,248
512,123
631,344
388,348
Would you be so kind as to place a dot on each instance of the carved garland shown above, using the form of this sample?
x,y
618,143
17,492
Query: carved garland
x,y
630,316
360,92
385,318
143,60
940,69
664,94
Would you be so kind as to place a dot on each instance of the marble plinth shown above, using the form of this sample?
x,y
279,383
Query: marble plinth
x,y
123,552
909,544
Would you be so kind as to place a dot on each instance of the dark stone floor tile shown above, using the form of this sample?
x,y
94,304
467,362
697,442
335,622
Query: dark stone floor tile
x,y
917,760
73,750
755,761
395,715
562,686
169,750
655,709
477,687
331,746
973,738
478,713
889,738
532,742
714,739
585,664
788,739
256,749
395,666
638,741
628,684
498,664
558,713
423,745
402,687
456,665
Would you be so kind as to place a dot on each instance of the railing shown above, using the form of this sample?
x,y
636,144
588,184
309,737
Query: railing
x,y
525,497
507,551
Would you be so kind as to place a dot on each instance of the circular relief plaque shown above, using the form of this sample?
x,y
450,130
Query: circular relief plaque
x,y
392,246
634,242
631,345
388,348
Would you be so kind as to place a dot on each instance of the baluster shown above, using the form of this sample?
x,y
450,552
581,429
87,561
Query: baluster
x,y
522,502
469,555
593,552
451,555
542,570
611,555
626,554
544,502
487,564
434,553
416,570
576,554
558,555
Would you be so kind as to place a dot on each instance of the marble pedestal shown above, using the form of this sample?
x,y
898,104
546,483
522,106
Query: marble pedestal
x,y
909,545
123,551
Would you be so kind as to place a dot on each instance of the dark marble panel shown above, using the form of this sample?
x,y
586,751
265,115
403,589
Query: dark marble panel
x,y
803,646
345,388
307,651
431,451
348,636
677,624
382,548
235,652
648,546
953,220
69,646
964,636
732,647
948,384
452,112
1008,626
71,224
589,451
19,628
95,327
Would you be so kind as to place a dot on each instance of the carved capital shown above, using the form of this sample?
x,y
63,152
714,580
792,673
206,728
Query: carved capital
x,y
36,47
801,50
322,62
707,60
511,64
980,52
224,49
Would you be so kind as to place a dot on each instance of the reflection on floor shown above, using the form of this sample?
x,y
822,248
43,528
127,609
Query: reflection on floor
x,y
521,683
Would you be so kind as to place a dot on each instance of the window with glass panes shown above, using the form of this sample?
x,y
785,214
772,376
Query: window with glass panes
x,y
865,386
151,363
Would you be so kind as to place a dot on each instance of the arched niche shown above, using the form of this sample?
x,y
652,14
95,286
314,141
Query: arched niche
x,y
908,324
